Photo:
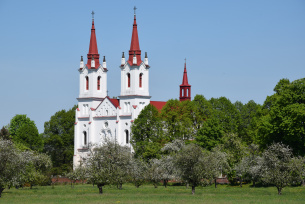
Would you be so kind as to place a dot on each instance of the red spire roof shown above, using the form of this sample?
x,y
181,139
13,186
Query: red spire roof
x,y
135,46
184,80
93,49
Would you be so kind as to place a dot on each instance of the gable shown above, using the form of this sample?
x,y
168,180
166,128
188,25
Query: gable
x,y
106,108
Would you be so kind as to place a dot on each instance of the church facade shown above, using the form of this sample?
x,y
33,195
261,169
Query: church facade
x,y
99,117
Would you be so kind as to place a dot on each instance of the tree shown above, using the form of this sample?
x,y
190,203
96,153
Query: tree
x,y
226,113
276,166
138,169
12,165
210,134
250,114
283,117
4,133
59,140
191,163
38,165
202,111
108,164
298,169
218,163
154,172
25,134
147,134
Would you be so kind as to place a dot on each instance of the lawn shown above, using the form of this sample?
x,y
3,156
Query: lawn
x,y
149,194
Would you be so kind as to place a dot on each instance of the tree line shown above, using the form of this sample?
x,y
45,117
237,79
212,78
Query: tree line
x,y
233,129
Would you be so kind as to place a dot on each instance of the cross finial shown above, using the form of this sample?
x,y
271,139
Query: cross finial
x,y
134,8
92,15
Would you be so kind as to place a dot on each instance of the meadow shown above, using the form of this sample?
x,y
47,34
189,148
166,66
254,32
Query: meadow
x,y
148,194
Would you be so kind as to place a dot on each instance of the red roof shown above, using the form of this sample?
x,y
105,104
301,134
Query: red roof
x,y
184,80
135,45
93,49
158,104
114,101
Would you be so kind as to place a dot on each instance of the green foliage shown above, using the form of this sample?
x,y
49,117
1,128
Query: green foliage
x,y
59,140
210,134
227,114
147,134
284,116
4,133
250,114
25,133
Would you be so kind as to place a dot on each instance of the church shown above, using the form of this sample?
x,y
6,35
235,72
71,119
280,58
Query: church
x,y
99,117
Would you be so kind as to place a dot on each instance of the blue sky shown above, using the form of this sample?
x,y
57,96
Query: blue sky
x,y
237,49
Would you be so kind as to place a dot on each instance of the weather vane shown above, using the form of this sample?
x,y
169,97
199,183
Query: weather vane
x,y
92,15
135,8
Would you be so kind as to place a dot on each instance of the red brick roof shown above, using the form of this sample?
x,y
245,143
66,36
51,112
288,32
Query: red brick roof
x,y
158,104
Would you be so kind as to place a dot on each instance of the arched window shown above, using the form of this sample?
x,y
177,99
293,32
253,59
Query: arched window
x,y
140,80
128,80
85,137
127,136
99,83
87,83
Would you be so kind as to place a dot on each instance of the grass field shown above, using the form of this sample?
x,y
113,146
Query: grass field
x,y
149,194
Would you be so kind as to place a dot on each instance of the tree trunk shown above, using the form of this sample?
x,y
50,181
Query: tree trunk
x,y
279,190
187,185
253,183
193,190
303,182
31,185
1,190
155,185
100,187
241,182
120,186
215,183
165,182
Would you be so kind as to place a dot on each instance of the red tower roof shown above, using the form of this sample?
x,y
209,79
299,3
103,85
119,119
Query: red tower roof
x,y
134,45
185,88
93,49
185,80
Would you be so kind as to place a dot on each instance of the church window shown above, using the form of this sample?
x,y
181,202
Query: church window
x,y
85,137
99,83
87,83
128,80
127,136
140,80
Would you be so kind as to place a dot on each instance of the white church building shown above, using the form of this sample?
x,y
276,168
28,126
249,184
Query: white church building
x,y
98,116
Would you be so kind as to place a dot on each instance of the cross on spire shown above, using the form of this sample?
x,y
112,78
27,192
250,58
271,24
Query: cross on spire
x,y
92,15
134,8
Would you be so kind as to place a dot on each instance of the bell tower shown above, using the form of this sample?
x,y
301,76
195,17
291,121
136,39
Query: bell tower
x,y
185,87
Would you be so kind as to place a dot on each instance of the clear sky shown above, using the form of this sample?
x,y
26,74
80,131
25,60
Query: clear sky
x,y
238,49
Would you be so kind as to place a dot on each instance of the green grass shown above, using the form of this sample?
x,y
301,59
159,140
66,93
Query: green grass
x,y
149,194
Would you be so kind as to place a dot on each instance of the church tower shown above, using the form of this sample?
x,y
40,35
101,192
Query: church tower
x,y
134,85
92,91
185,88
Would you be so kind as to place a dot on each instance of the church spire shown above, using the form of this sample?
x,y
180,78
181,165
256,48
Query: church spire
x,y
135,45
185,88
93,47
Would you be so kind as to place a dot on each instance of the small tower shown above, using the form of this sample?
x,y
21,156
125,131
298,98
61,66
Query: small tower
x,y
185,88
